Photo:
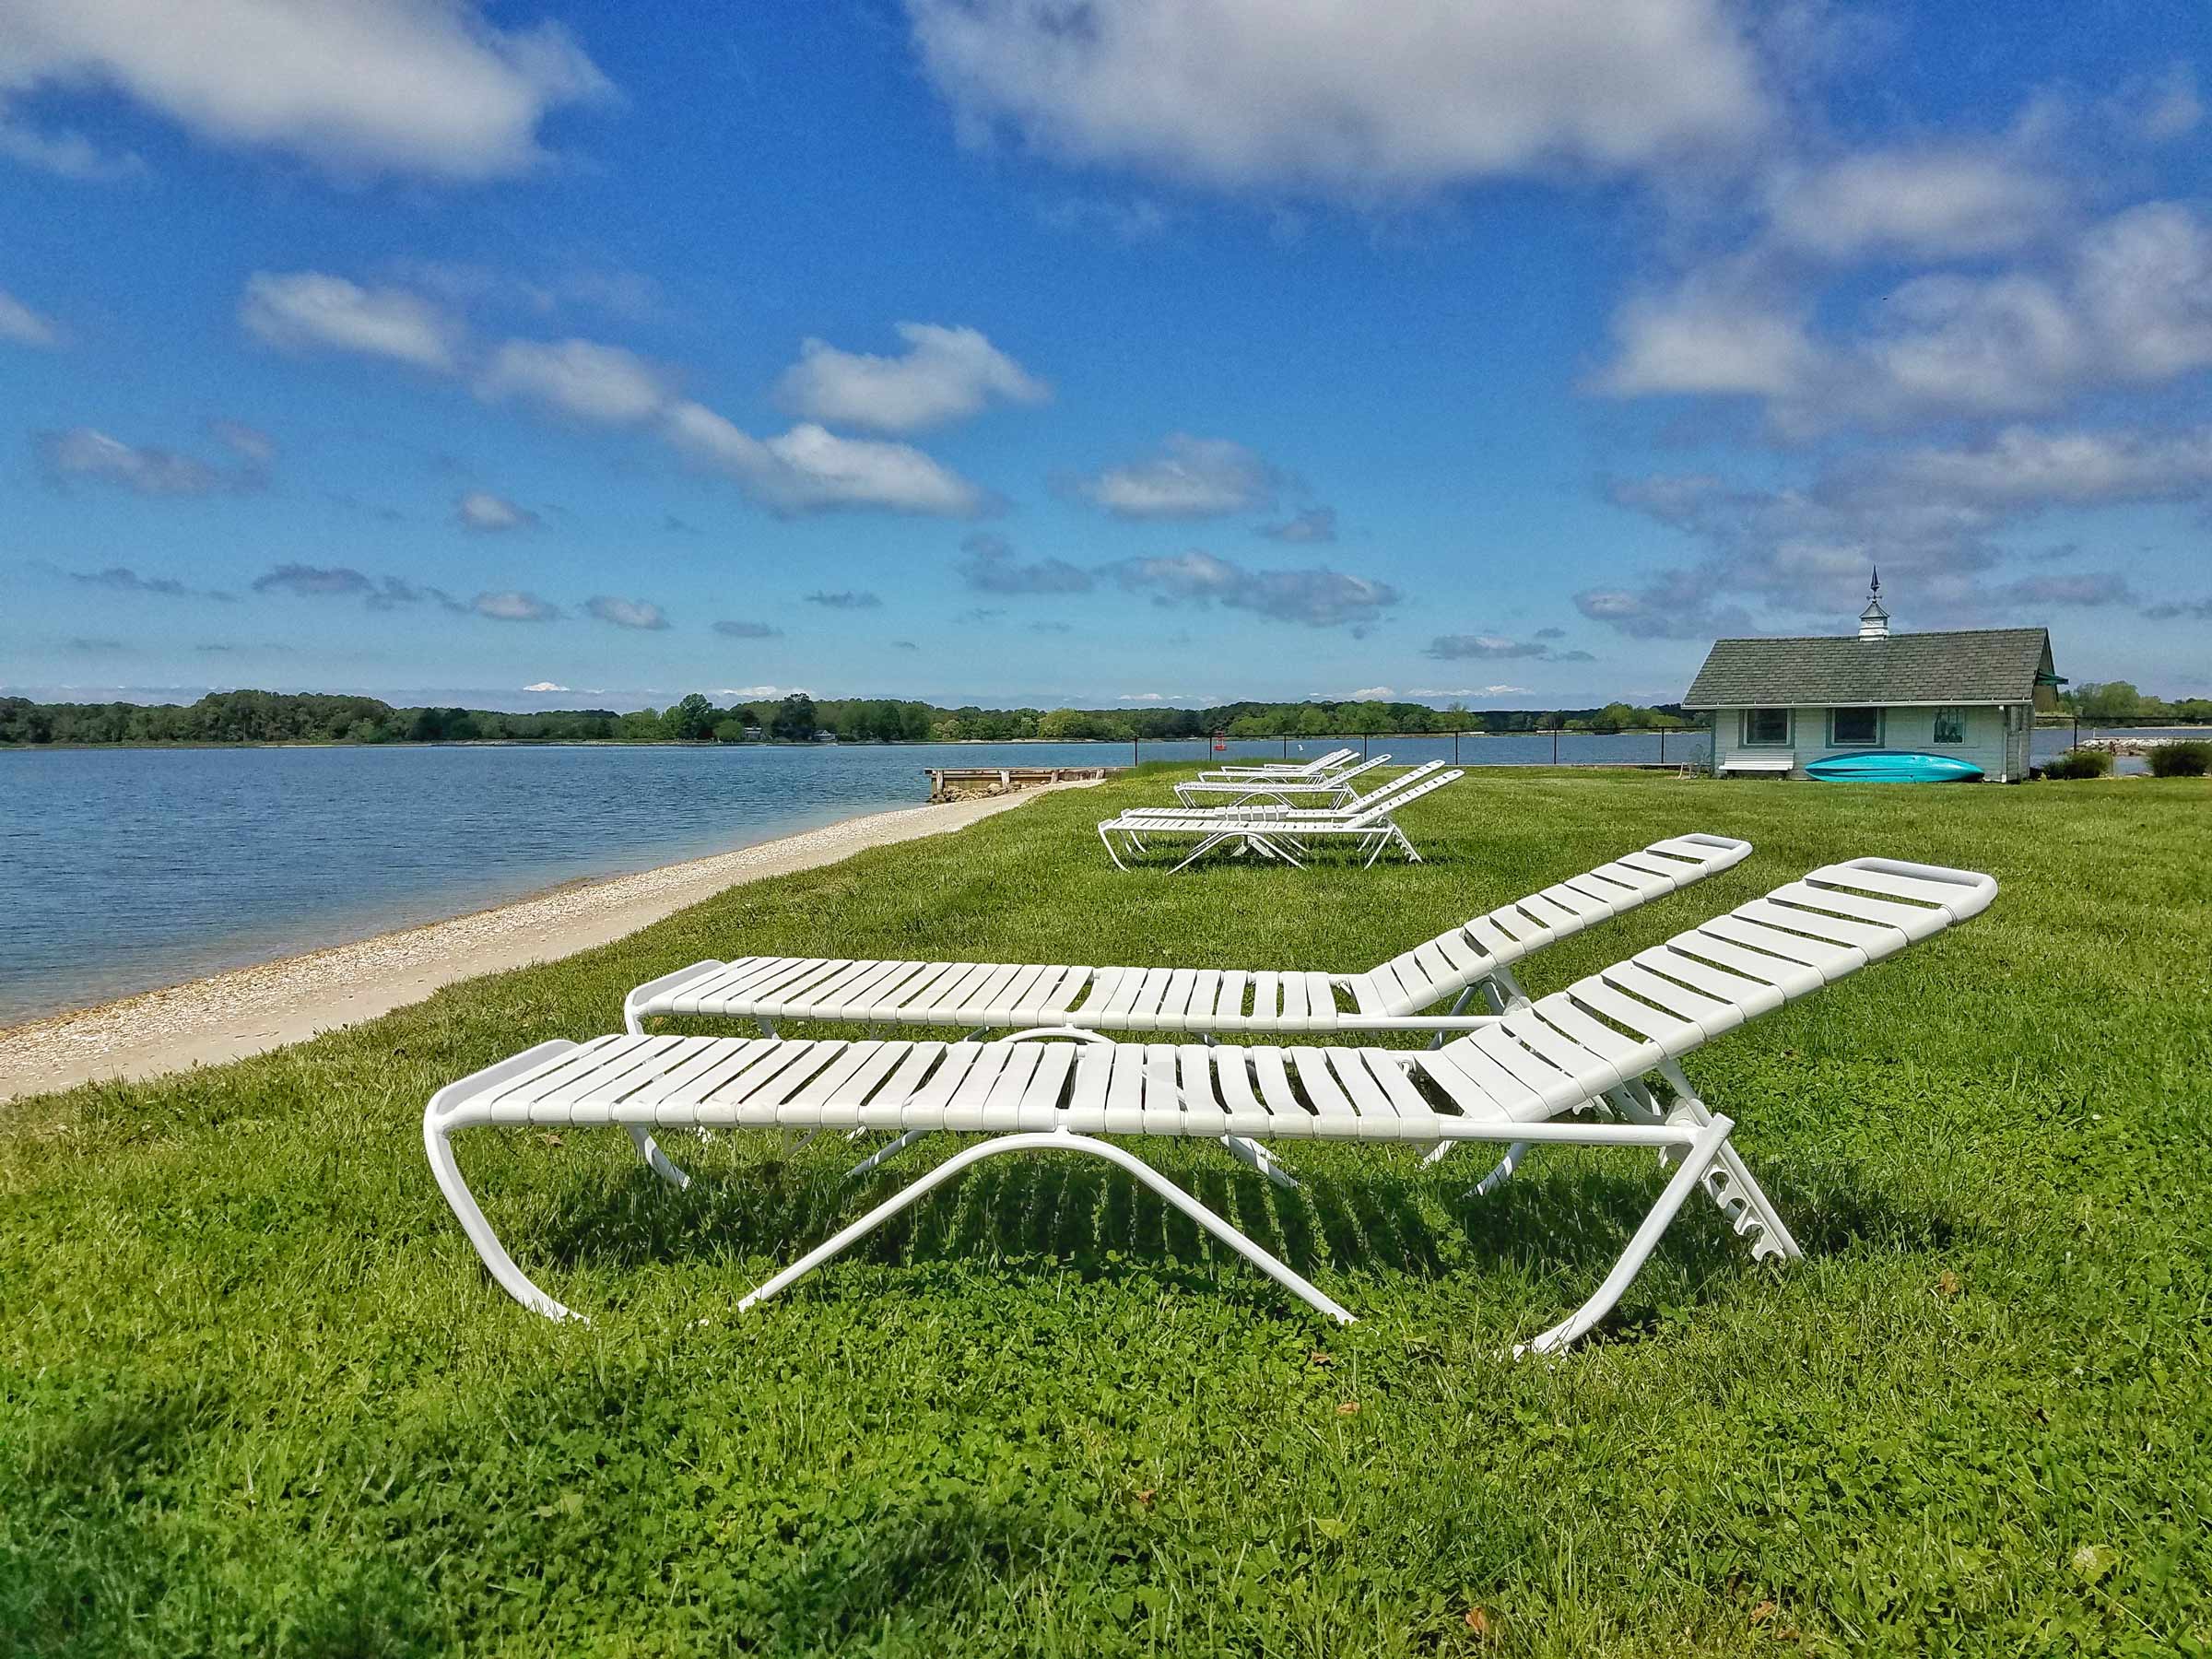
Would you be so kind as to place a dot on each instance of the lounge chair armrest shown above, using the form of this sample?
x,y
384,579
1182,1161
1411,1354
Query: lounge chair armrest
x,y
1975,888
638,1003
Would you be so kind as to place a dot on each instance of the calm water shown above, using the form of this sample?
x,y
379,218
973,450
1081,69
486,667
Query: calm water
x,y
124,870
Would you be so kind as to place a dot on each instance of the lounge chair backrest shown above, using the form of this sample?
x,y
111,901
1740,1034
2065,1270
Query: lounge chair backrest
x,y
1285,769
1630,1018
1411,787
1350,772
1442,966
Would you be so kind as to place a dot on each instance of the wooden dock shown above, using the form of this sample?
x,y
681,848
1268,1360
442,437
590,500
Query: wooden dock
x,y
963,783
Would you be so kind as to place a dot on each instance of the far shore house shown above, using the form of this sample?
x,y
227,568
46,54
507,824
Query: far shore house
x,y
1778,704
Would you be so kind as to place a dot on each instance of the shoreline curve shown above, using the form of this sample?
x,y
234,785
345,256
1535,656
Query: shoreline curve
x,y
250,1010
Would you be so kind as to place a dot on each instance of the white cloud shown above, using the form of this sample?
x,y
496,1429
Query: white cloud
x,y
2024,469
428,87
1149,697
581,378
481,511
250,445
1706,340
1313,525
20,325
545,685
1450,648
68,154
2128,302
1930,517
2163,108
810,469
1187,478
1937,201
1318,598
945,374
806,469
1470,691
1136,220
627,613
1334,96
309,311
512,606
751,692
85,452
1372,693
991,566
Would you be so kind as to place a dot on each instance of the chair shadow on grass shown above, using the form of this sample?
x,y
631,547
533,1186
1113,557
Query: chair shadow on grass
x,y
1562,1215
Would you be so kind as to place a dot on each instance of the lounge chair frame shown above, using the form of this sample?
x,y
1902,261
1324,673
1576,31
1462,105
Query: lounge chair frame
x,y
1591,1048
1338,787
1277,832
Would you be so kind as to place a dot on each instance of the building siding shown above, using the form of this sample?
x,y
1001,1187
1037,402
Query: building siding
x,y
1994,743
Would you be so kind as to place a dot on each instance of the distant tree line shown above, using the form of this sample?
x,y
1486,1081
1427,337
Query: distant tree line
x,y
2116,702
292,717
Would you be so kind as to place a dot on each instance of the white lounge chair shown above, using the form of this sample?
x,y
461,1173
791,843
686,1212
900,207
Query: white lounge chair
x,y
1334,760
1281,832
1588,1048
1336,787
1475,958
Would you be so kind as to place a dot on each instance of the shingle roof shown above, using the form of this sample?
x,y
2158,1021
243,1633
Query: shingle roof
x,y
1984,665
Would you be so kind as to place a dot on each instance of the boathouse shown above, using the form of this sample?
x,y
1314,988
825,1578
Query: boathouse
x,y
1780,704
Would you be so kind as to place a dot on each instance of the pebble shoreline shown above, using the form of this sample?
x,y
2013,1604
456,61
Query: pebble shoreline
x,y
248,1010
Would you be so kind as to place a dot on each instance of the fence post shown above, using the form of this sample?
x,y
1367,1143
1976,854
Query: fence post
x,y
1363,737
1455,746
1554,743
1661,746
1133,751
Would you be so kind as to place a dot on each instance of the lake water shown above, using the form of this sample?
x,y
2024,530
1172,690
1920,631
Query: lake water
x,y
125,870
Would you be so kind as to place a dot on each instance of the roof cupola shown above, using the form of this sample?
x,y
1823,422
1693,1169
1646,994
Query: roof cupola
x,y
1873,621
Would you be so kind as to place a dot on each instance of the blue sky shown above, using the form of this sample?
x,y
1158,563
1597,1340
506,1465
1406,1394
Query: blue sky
x,y
1187,350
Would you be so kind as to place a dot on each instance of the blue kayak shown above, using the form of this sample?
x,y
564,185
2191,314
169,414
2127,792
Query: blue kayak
x,y
1892,766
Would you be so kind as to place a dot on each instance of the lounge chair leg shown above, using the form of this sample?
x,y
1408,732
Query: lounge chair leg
x,y
1203,848
1107,841
1252,1153
437,1140
1731,1186
886,1150
1500,1174
1696,1160
1515,996
1058,1141
655,1159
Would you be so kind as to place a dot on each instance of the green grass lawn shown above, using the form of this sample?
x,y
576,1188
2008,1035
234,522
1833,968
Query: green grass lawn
x,y
257,1395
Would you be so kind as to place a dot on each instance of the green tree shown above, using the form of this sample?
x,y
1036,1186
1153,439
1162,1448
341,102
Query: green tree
x,y
690,721
794,721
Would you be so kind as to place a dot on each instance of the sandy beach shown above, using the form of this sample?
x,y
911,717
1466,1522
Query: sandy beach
x,y
247,1010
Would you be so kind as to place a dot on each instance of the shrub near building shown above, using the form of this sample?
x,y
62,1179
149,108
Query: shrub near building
x,y
2180,759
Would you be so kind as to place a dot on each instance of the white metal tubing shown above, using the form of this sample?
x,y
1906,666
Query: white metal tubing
x,y
888,1150
1054,1141
1251,1152
1688,1174
655,1159
437,1133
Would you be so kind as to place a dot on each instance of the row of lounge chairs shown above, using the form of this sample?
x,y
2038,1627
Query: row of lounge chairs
x,y
1264,814
1596,1065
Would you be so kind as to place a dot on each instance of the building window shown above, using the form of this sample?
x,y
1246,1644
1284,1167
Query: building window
x,y
1766,728
1950,725
1854,726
